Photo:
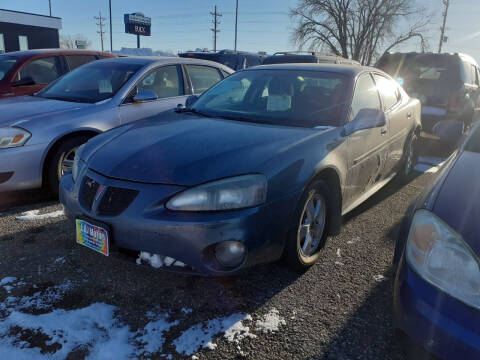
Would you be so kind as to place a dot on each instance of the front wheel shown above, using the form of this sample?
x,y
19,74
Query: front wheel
x,y
61,161
308,231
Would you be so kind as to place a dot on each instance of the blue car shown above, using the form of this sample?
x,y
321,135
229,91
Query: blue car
x,y
437,265
262,165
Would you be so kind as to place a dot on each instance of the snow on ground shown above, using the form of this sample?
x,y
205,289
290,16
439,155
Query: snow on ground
x,y
31,321
201,334
33,215
429,164
271,322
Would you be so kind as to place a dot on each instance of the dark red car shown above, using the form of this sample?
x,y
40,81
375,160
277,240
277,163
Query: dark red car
x,y
26,72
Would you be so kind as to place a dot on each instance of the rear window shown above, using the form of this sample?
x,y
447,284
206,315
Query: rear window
x,y
433,79
6,63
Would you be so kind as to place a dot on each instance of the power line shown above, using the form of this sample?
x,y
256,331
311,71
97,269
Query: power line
x,y
446,4
100,24
215,22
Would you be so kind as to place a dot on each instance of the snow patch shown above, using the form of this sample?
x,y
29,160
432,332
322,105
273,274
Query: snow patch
x,y
157,261
60,261
33,215
201,335
379,278
271,322
7,280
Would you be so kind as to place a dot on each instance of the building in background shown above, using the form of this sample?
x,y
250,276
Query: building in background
x,y
23,31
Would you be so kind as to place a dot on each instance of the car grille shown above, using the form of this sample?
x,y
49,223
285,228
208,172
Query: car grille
x,y
88,191
116,200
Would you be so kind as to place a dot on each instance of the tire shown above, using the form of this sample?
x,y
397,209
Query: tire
x,y
64,151
409,159
297,253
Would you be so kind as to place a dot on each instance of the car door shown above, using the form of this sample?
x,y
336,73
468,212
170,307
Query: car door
x,y
36,74
166,82
367,149
399,120
202,77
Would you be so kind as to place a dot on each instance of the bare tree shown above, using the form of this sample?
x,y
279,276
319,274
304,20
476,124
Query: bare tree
x,y
358,29
69,41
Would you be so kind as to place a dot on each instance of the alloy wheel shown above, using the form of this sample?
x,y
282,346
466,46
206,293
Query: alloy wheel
x,y
312,225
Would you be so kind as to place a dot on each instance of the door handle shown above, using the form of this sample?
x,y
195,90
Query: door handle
x,y
383,131
409,115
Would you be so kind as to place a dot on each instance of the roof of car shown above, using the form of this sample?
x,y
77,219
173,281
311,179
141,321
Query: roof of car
x,y
146,60
35,52
347,69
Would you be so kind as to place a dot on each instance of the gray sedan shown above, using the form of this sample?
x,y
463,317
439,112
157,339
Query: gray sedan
x,y
39,134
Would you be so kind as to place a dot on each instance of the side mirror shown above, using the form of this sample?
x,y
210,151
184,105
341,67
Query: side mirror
x,y
366,119
450,131
145,95
28,80
190,101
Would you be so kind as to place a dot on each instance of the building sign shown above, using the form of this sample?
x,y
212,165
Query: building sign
x,y
81,44
137,24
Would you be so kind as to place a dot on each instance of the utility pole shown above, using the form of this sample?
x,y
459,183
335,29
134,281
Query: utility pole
x,y
50,6
215,22
100,24
446,4
236,26
111,35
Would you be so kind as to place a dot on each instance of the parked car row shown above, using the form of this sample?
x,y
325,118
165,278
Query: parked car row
x,y
39,134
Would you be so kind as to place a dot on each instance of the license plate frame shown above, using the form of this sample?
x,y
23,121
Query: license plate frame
x,y
96,237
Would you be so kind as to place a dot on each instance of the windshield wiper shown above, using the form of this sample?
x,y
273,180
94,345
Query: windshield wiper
x,y
192,111
236,118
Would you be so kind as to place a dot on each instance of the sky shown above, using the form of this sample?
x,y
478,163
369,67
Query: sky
x,y
263,25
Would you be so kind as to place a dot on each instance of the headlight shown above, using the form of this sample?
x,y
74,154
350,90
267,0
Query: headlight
x,y
13,137
440,256
226,194
77,162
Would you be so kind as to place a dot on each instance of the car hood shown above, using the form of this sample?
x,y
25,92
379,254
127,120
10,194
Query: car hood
x,y
17,110
189,150
458,202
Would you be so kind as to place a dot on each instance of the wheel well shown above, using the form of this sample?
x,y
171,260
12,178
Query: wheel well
x,y
330,176
54,147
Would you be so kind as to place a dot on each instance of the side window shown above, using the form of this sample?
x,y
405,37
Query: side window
x,y
22,42
203,77
253,61
467,70
75,61
164,81
474,74
365,95
388,91
42,71
2,44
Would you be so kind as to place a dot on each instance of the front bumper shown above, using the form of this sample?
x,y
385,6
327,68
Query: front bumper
x,y
21,167
146,225
429,318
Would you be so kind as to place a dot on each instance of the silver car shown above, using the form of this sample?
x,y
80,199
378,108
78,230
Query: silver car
x,y
39,134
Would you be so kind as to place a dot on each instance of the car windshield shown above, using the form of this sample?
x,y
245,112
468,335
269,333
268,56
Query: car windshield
x,y
91,83
431,78
6,63
280,97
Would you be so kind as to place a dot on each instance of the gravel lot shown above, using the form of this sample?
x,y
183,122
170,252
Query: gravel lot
x,y
340,309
